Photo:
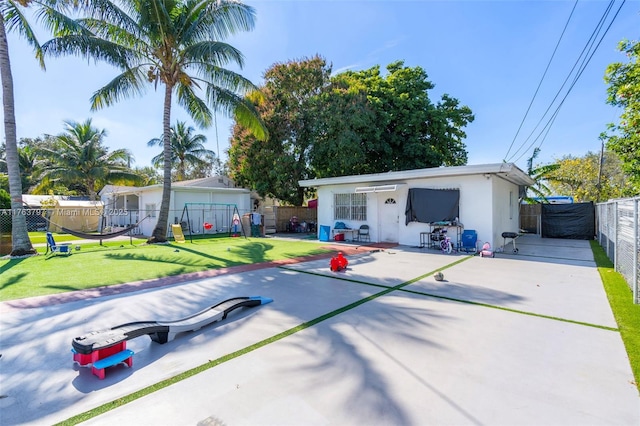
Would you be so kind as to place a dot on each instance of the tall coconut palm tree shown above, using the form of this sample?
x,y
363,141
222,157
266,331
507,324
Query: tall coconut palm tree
x,y
187,150
177,44
79,156
12,18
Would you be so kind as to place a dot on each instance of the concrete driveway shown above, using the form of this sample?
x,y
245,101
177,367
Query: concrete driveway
x,y
524,339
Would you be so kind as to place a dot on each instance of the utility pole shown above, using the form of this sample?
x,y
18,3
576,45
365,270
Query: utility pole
x,y
599,184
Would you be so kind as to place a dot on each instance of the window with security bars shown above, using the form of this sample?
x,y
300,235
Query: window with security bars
x,y
350,207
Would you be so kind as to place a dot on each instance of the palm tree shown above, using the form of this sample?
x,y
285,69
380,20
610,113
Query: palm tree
x,y
80,156
187,150
11,17
30,162
172,43
540,175
148,175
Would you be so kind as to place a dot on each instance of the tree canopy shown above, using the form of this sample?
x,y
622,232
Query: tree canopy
x,y
414,132
274,166
175,44
43,157
5,199
586,179
355,122
78,159
624,92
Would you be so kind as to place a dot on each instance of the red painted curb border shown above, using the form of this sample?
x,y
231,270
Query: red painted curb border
x,y
94,293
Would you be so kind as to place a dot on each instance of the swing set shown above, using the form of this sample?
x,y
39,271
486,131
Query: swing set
x,y
214,218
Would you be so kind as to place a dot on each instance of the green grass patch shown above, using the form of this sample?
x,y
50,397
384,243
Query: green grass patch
x,y
626,313
41,237
118,262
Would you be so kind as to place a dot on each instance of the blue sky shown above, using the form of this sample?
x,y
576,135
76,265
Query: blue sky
x,y
490,55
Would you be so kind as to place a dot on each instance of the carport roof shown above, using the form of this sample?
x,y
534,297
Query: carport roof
x,y
507,171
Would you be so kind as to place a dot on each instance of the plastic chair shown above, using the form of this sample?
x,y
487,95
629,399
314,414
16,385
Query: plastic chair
x,y
469,241
363,233
55,248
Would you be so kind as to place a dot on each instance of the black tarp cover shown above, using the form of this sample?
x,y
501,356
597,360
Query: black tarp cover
x,y
432,205
572,221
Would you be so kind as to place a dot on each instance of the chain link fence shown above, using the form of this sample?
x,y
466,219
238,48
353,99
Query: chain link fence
x,y
197,219
617,232
34,218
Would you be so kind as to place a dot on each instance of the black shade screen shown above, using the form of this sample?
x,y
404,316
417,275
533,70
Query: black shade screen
x,y
432,205
572,221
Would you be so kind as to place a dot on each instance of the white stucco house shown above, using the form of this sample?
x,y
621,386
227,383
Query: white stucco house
x,y
399,206
211,200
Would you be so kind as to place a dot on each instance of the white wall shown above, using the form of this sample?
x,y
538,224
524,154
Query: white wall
x,y
475,206
484,207
179,196
505,209
150,196
241,200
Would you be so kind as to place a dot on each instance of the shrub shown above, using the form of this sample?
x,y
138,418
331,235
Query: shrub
x,y
5,199
5,220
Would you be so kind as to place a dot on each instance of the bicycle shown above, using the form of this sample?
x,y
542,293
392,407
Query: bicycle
x,y
445,244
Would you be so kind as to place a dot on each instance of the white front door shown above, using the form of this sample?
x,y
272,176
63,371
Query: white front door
x,y
388,227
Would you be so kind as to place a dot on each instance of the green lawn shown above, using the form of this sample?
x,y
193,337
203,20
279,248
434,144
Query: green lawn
x,y
626,313
120,262
41,237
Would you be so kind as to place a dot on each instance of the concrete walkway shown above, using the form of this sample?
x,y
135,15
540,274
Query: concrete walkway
x,y
524,339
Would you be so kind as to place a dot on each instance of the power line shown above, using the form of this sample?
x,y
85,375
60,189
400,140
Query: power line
x,y
583,66
583,52
542,79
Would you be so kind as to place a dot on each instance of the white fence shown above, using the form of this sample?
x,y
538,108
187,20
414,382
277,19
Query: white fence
x,y
617,232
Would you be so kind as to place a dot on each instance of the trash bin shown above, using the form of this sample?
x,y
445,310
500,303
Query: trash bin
x,y
324,233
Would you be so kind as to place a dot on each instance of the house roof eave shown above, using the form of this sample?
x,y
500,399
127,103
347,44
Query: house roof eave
x,y
127,190
507,171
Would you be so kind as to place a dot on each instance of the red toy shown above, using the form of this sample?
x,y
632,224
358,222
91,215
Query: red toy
x,y
338,263
207,226
106,357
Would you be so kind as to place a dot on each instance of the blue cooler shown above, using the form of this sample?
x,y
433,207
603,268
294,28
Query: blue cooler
x,y
324,233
